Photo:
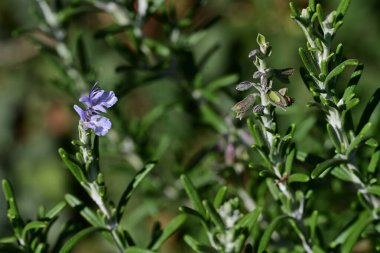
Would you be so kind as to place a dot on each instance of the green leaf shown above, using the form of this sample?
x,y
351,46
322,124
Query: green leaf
x,y
69,244
317,249
157,47
321,15
313,223
298,178
40,248
354,80
219,198
342,173
357,228
342,8
12,211
93,166
193,195
222,82
289,161
369,109
86,212
198,81
239,242
342,237
260,39
374,162
214,215
66,13
135,249
198,247
33,225
324,67
322,167
249,220
312,5
294,10
352,103
273,188
267,173
255,133
307,79
111,30
263,156
365,202
207,55
304,127
334,138
82,52
359,138
170,229
151,118
9,239
372,143
52,213
285,144
192,212
348,94
338,25
74,168
191,242
356,75
206,249
8,191
213,119
340,68
137,179
374,189
308,61
264,241
155,233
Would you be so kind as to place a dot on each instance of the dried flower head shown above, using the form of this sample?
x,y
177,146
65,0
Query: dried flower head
x,y
243,106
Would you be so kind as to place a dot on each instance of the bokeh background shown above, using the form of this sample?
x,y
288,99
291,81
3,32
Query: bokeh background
x,y
36,115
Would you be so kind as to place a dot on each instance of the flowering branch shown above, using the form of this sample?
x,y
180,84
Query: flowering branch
x,y
276,151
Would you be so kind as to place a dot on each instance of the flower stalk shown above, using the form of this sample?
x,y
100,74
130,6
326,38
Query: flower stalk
x,y
93,124
274,148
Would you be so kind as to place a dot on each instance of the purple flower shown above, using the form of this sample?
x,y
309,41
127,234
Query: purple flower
x,y
97,101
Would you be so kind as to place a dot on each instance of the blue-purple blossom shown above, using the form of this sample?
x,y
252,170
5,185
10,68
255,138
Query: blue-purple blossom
x,y
97,101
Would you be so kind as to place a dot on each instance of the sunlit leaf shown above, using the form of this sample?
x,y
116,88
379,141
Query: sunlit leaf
x,y
298,178
264,241
340,68
137,179
169,230
74,240
219,197
357,228
328,164
193,195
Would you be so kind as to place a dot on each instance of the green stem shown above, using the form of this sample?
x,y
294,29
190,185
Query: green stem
x,y
267,119
334,116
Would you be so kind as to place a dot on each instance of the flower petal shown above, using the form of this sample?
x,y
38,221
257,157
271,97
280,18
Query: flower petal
x,y
101,125
82,114
107,99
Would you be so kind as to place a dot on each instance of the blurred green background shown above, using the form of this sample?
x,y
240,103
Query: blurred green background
x,y
36,117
